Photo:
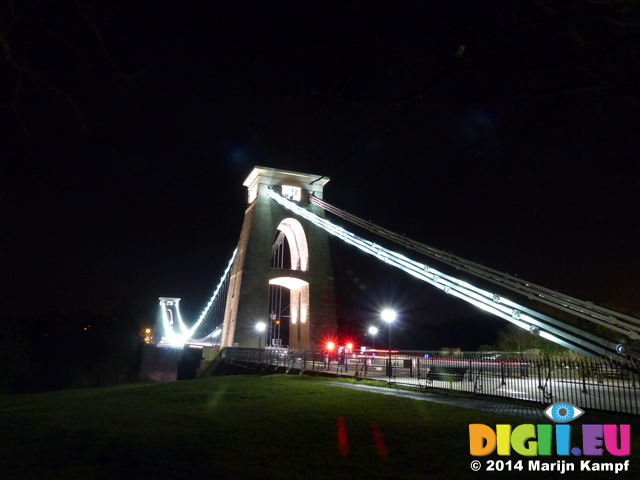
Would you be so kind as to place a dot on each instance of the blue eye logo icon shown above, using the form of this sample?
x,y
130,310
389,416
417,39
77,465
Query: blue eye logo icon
x,y
563,412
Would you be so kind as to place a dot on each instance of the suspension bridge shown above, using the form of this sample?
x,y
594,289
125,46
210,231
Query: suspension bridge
x,y
280,275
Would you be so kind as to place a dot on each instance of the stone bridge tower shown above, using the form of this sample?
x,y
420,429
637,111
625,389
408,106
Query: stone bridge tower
x,y
306,274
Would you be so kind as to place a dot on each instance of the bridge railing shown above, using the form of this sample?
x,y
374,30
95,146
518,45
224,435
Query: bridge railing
x,y
592,383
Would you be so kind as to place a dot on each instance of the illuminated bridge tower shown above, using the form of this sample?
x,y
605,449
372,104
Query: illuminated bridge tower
x,y
170,324
282,274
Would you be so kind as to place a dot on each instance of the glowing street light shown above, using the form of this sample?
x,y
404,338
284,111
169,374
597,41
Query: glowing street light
x,y
260,327
388,316
372,332
147,335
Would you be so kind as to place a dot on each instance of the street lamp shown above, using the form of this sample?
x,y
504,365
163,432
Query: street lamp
x,y
372,332
260,327
389,316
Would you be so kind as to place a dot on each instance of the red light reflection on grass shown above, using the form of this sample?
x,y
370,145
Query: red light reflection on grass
x,y
343,445
378,439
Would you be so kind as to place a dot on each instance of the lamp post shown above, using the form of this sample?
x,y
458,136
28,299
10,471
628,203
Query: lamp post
x,y
372,332
260,327
389,316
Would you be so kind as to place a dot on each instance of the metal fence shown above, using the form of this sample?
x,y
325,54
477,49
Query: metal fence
x,y
593,383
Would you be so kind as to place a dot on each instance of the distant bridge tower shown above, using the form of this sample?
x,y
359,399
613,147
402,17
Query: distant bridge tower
x,y
170,324
282,274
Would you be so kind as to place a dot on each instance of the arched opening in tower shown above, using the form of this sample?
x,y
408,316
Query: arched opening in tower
x,y
289,313
290,250
289,296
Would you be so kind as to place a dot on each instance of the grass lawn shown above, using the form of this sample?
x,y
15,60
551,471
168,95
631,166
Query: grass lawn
x,y
245,427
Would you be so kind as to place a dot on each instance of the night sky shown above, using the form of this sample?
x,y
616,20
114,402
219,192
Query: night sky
x,y
505,132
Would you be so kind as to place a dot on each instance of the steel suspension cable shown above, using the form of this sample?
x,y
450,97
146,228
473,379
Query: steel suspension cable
x,y
543,325
616,321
